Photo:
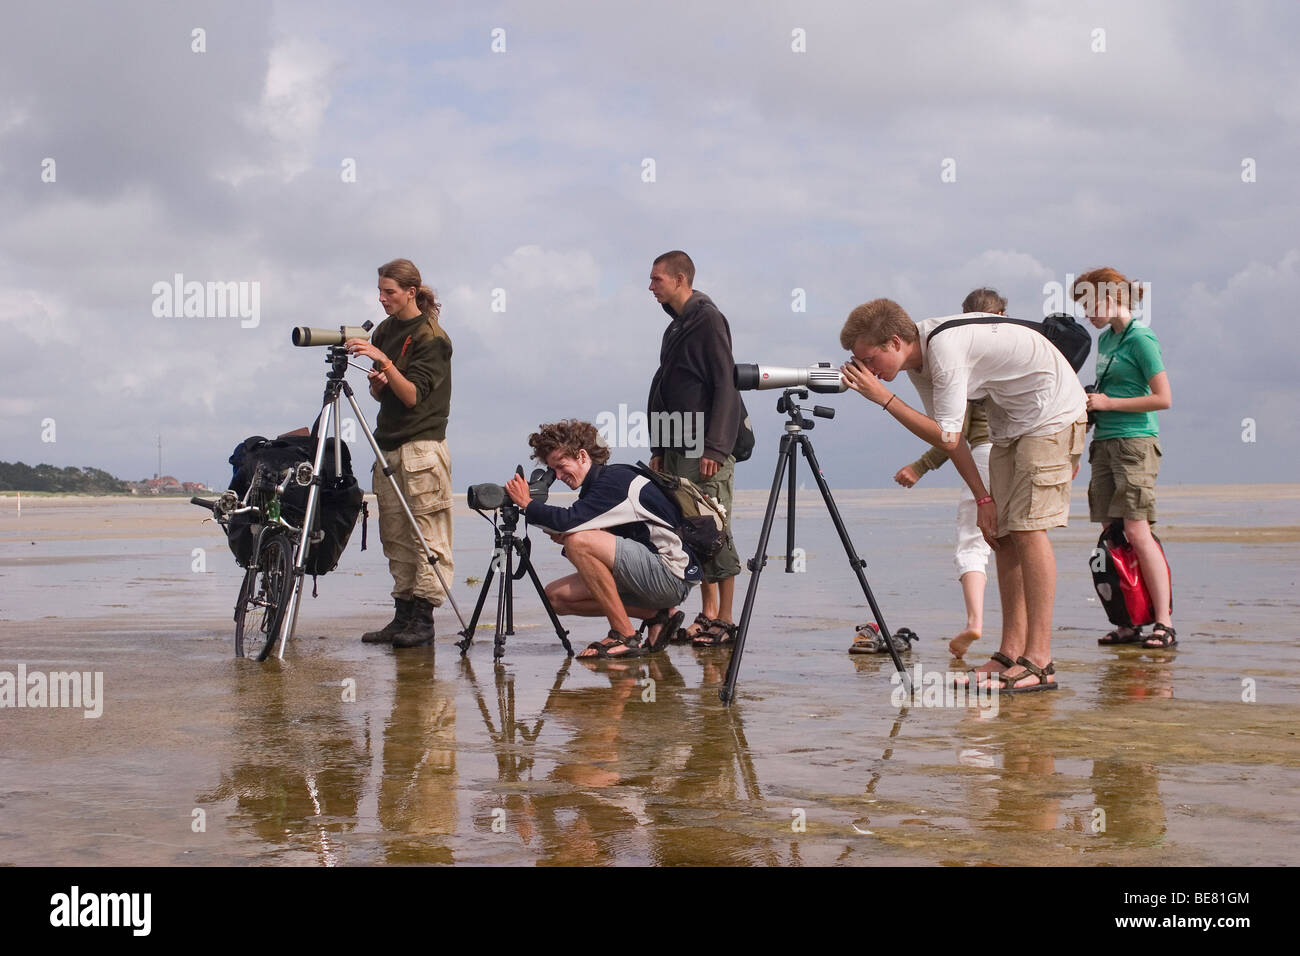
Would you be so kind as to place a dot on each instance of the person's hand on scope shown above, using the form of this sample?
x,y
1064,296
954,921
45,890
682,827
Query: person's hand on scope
x,y
362,347
517,489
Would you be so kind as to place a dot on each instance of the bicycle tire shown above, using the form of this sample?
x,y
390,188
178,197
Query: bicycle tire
x,y
246,587
258,619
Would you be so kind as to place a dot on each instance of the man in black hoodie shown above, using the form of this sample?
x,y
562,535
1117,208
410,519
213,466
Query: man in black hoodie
x,y
696,383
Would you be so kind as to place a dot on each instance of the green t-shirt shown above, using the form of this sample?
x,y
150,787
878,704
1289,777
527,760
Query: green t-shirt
x,y
1126,363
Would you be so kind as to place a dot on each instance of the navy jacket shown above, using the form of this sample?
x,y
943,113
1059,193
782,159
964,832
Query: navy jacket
x,y
615,498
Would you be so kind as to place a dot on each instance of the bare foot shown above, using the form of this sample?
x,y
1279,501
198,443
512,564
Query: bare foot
x,y
960,644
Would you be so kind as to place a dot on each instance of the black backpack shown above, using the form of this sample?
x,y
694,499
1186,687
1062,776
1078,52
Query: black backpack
x,y
703,526
341,498
1070,338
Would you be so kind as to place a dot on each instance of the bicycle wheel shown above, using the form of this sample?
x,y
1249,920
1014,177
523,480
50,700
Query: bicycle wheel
x,y
247,587
257,622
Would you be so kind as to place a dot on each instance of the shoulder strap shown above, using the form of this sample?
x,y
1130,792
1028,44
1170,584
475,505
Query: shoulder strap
x,y
982,320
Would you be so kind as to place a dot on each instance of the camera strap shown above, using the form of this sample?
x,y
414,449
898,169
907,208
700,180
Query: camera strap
x,y
1101,381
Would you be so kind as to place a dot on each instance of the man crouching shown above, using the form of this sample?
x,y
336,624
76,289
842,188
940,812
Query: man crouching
x,y
619,537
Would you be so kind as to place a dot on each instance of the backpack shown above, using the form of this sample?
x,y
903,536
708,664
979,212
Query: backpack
x,y
1117,576
703,525
341,498
1070,338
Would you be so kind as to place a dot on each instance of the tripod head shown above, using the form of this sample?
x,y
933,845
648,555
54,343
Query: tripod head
x,y
787,406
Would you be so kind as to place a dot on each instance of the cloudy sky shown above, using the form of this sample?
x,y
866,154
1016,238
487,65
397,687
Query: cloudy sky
x,y
552,149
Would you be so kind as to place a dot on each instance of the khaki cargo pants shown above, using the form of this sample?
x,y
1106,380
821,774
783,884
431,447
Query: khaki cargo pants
x,y
423,472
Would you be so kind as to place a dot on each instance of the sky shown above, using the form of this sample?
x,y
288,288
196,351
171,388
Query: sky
x,y
533,158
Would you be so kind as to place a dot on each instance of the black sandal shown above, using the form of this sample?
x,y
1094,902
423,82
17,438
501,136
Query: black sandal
x,y
669,624
1115,637
611,641
718,634
684,636
1161,636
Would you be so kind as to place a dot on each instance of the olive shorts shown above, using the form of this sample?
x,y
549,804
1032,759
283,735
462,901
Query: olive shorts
x,y
726,564
1030,479
1123,483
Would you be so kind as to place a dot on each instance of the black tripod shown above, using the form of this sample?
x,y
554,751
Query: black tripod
x,y
327,429
509,544
793,438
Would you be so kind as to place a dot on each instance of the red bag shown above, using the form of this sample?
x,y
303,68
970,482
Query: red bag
x,y
1117,576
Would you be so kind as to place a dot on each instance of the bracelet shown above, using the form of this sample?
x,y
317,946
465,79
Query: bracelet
x,y
983,501
885,407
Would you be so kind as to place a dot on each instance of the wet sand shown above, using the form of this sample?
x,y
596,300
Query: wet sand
x,y
348,754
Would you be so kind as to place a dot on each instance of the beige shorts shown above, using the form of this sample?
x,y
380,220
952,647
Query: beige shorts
x,y
1030,479
1123,483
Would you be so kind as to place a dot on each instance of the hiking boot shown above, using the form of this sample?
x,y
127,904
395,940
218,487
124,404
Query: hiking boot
x,y
419,627
401,618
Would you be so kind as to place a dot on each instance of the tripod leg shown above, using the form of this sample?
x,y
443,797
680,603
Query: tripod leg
x,y
468,633
415,528
526,563
728,691
510,587
789,517
327,417
855,562
503,587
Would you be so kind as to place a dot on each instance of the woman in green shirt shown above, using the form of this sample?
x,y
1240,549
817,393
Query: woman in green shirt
x,y
1125,454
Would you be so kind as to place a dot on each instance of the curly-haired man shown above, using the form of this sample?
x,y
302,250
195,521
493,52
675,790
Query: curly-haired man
x,y
619,537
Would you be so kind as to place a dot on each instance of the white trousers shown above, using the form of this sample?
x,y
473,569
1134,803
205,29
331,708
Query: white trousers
x,y
972,552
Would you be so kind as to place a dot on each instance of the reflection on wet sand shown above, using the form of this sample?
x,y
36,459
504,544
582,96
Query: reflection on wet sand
x,y
344,754
298,779
417,795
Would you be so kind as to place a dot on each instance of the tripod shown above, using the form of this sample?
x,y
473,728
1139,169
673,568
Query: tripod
x,y
336,389
793,438
509,544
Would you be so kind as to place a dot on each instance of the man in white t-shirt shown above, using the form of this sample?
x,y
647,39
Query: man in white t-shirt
x,y
1036,410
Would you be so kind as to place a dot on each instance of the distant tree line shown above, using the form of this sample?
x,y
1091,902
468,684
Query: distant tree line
x,y
86,481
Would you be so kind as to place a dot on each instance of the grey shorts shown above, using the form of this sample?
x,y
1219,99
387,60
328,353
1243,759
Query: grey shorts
x,y
643,580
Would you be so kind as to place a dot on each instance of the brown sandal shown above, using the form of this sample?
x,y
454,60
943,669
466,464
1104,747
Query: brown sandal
x,y
1006,685
979,675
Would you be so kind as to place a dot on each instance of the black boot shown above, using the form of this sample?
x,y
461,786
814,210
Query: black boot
x,y
419,628
401,618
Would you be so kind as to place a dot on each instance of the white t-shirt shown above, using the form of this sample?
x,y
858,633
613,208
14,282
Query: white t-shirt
x,y
1030,387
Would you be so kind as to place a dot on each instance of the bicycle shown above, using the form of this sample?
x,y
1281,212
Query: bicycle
x,y
266,542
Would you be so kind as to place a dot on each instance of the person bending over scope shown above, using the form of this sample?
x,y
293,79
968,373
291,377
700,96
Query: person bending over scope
x,y
618,536
1036,412
971,556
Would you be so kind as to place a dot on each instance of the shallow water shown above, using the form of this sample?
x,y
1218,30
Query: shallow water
x,y
1143,757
